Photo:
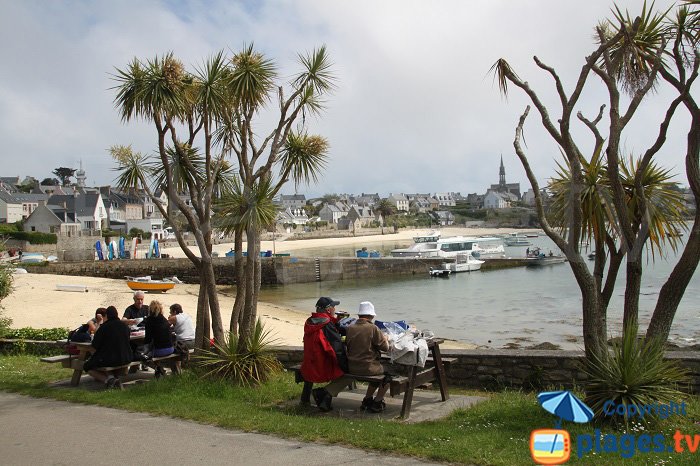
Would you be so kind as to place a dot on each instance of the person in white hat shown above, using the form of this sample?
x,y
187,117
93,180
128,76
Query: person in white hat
x,y
364,342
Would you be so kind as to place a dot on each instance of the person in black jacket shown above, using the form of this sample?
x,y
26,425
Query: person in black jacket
x,y
112,348
158,334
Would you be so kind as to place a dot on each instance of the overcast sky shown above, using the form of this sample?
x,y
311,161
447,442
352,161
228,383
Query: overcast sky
x,y
415,110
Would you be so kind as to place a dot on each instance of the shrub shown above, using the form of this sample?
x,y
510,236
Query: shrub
x,y
34,237
40,334
633,373
249,364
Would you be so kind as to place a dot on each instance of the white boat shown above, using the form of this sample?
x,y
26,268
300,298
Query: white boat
x,y
516,239
433,245
75,288
463,263
443,273
32,258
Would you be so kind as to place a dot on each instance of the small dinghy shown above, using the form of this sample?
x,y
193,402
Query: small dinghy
x,y
75,288
443,273
149,285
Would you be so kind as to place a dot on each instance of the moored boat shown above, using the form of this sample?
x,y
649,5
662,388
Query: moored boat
x,y
433,245
516,239
463,263
442,273
149,285
74,288
537,258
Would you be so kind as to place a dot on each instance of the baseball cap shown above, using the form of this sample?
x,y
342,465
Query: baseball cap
x,y
324,302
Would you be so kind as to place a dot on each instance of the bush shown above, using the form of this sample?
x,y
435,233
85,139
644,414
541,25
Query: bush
x,y
633,373
39,334
250,364
8,228
34,237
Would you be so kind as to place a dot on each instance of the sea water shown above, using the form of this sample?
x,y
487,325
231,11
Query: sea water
x,y
521,305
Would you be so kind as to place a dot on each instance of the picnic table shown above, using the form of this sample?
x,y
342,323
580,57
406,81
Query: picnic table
x,y
75,361
399,384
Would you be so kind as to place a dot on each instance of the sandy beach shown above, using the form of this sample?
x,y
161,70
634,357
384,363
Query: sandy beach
x,y
36,302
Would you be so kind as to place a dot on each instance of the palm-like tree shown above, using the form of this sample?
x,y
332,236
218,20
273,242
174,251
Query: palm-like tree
x,y
385,208
622,205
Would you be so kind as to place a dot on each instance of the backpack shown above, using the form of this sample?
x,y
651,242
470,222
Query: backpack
x,y
80,335
184,352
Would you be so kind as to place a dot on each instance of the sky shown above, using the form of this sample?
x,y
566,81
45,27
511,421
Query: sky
x,y
415,108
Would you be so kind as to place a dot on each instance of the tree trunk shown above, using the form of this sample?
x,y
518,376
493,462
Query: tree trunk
x,y
251,303
209,278
239,278
632,289
201,334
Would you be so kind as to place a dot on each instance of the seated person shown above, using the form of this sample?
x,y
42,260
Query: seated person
x,y
136,311
364,342
111,343
158,334
182,326
324,353
95,322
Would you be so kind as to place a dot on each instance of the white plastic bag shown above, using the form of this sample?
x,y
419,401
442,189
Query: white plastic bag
x,y
408,350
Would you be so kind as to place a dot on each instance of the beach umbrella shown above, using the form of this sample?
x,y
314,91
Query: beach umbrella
x,y
565,405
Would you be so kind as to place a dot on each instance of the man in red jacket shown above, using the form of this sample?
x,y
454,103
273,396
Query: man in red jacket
x,y
324,353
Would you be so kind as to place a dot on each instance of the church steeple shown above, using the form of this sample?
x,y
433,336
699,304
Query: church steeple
x,y
502,176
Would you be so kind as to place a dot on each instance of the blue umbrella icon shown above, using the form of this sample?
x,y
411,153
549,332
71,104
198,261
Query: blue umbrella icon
x,y
565,405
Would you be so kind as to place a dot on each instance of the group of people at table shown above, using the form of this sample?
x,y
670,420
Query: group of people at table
x,y
111,341
335,345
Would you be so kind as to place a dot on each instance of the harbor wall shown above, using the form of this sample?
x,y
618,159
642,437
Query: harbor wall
x,y
275,270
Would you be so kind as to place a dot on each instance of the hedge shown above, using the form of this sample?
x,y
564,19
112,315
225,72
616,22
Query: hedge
x,y
33,237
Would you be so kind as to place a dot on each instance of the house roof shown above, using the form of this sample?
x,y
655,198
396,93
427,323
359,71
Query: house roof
x,y
81,205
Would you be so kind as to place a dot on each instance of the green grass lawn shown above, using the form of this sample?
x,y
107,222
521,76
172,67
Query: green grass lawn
x,y
494,432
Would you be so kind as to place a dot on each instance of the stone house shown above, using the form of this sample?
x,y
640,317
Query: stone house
x,y
53,219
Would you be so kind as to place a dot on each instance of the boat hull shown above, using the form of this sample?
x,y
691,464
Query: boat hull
x,y
151,287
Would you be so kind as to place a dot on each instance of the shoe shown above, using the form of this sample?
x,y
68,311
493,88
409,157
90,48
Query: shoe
x,y
322,398
366,403
377,406
109,383
160,372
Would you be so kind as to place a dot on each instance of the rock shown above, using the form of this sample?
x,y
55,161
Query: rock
x,y
544,346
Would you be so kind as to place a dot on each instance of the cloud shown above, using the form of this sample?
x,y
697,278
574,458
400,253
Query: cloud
x,y
415,109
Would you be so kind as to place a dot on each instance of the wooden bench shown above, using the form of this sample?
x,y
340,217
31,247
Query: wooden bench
x,y
172,359
435,372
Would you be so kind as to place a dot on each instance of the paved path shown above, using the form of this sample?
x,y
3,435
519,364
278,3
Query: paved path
x,y
41,431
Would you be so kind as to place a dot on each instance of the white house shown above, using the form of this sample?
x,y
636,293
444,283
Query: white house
x,y
10,208
88,209
445,199
494,200
400,201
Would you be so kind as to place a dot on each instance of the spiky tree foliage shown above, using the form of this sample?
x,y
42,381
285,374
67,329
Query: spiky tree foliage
x,y
202,118
287,152
623,206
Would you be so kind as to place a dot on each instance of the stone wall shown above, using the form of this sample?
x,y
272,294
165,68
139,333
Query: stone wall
x,y
528,369
67,248
275,270
486,369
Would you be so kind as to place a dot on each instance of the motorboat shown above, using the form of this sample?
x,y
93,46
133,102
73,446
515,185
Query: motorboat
x,y
463,263
434,245
442,273
516,239
537,258
148,284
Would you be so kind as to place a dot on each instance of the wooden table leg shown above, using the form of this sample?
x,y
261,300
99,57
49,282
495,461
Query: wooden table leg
x,y
78,371
408,396
440,369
